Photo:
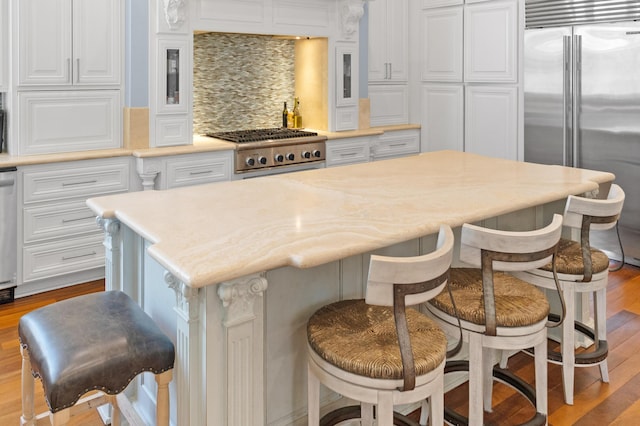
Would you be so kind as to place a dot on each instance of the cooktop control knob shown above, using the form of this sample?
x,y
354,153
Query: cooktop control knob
x,y
306,154
279,158
250,162
262,160
291,156
316,153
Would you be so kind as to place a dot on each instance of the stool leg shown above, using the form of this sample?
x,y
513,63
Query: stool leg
x,y
568,343
487,385
162,398
313,397
424,410
60,418
385,408
437,404
475,380
540,361
115,411
366,414
27,389
600,315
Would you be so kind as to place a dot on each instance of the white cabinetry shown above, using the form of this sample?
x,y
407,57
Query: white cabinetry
x,y
490,41
60,241
185,170
69,42
388,40
4,45
63,121
68,68
491,118
345,151
442,117
471,92
396,143
388,62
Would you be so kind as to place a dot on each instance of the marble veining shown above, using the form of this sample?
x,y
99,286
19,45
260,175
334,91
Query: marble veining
x,y
212,233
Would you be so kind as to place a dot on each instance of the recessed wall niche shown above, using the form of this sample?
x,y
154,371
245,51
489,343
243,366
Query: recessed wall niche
x,y
240,81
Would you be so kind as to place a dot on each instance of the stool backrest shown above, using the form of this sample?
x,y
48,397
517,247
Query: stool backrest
x,y
606,210
494,250
475,239
386,272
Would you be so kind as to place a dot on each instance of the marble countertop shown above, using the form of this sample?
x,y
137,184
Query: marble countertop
x,y
213,233
200,144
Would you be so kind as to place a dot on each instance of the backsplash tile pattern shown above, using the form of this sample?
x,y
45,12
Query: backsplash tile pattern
x,y
241,81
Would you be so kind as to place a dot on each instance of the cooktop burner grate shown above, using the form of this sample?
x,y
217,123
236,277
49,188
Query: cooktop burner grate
x,y
255,135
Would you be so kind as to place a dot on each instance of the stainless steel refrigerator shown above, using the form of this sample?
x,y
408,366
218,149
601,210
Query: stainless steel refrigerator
x,y
582,102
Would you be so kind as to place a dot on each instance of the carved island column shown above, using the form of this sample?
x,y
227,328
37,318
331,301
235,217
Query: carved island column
x,y
187,370
112,253
244,340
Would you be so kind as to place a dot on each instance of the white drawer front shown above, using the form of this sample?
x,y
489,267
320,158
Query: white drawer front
x,y
347,151
58,220
53,259
185,172
70,182
397,144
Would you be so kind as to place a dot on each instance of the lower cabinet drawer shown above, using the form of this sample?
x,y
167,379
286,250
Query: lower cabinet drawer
x,y
199,169
62,257
397,144
58,220
347,151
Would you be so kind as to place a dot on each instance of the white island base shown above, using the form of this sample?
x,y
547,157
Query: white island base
x,y
232,271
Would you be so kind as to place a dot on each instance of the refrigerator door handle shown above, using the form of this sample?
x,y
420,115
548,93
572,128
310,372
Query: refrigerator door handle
x,y
567,139
577,99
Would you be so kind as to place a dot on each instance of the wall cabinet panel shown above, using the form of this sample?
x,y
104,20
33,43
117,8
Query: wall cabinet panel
x,y
442,117
442,44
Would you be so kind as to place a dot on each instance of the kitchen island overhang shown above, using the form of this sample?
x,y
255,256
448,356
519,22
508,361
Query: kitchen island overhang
x,y
307,234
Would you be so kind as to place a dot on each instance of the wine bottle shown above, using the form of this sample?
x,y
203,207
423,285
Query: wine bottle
x,y
285,116
297,118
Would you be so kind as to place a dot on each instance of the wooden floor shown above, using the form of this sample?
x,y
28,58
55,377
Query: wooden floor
x,y
596,403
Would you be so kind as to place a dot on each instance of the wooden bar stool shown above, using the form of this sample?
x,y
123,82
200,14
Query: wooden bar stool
x,y
99,341
582,269
498,312
377,351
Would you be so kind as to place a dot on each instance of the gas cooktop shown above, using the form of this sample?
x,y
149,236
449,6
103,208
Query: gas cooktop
x,y
256,135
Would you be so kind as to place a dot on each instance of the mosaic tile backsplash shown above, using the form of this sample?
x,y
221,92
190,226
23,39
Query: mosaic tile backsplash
x,y
241,81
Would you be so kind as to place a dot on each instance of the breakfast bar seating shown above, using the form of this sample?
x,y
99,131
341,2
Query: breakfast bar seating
x,y
379,351
96,342
582,269
498,311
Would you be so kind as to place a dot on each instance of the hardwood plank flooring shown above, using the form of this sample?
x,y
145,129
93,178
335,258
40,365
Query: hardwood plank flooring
x,y
596,404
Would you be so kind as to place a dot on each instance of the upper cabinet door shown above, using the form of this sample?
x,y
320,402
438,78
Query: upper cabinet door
x,y
388,40
490,41
97,41
69,42
44,42
441,42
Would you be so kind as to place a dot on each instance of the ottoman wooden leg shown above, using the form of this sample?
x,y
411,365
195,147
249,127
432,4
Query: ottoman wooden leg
x,y
27,389
162,403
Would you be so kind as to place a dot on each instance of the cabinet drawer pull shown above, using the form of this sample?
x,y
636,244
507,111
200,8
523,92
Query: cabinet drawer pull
x,y
204,172
348,154
87,182
396,145
77,219
93,253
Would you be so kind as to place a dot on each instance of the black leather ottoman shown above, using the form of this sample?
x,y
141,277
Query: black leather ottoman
x,y
99,341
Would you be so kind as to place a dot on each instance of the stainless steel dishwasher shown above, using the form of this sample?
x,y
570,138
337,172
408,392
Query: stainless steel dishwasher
x,y
8,233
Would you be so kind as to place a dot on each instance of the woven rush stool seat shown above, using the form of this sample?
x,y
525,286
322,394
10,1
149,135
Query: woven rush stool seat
x,y
517,303
99,341
581,269
497,311
361,339
379,351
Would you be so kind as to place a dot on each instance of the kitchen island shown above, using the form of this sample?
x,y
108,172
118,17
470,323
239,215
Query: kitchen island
x,y
199,261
